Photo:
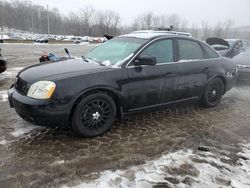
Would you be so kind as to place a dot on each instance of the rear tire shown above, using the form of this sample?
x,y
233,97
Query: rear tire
x,y
213,93
94,115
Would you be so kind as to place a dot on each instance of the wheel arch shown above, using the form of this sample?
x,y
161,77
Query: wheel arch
x,y
109,91
223,79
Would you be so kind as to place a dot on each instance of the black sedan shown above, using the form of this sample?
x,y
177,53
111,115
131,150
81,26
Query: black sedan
x,y
127,74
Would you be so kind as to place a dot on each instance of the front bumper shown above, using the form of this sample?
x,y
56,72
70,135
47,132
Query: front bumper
x,y
50,113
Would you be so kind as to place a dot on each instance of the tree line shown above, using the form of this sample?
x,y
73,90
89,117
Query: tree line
x,y
27,16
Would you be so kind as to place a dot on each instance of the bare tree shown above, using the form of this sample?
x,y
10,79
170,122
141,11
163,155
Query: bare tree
x,y
106,22
228,24
144,21
218,30
194,31
206,30
86,16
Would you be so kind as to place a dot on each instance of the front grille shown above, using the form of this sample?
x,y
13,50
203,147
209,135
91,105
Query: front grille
x,y
21,86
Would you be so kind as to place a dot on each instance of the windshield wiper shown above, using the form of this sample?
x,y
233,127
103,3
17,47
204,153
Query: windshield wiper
x,y
89,60
85,59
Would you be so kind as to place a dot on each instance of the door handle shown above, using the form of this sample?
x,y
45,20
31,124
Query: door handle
x,y
205,70
170,75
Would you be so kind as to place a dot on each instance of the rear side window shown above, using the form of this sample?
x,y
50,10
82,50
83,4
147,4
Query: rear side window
x,y
190,50
162,50
209,52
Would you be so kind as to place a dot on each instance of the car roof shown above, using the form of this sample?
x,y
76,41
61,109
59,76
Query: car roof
x,y
150,34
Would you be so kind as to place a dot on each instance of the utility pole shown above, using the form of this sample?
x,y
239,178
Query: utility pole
x,y
2,15
48,19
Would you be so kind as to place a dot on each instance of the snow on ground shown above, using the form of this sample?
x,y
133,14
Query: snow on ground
x,y
10,73
22,128
4,142
3,96
183,168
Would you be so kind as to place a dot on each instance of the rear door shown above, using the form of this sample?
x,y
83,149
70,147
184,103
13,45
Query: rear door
x,y
194,68
153,84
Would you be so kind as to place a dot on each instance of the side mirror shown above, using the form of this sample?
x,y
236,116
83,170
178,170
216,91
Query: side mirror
x,y
145,60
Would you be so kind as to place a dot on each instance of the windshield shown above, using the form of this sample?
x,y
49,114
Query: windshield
x,y
115,50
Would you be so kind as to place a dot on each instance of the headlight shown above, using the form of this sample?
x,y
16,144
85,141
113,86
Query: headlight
x,y
41,90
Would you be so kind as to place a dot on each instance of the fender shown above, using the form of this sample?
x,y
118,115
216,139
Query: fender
x,y
114,93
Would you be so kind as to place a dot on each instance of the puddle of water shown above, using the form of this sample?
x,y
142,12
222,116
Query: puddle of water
x,y
183,168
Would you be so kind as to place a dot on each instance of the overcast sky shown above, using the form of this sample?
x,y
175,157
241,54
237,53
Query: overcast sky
x,y
194,11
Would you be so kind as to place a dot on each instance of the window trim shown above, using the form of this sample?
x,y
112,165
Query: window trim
x,y
178,49
173,50
203,44
176,53
128,65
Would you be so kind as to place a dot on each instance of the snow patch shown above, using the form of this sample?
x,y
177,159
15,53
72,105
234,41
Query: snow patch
x,y
4,142
23,128
59,162
183,168
10,73
3,96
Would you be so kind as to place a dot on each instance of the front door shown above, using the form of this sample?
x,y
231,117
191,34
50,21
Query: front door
x,y
152,85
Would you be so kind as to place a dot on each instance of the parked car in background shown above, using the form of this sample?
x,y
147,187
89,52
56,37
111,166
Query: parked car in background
x,y
42,40
3,63
45,39
228,47
243,62
125,75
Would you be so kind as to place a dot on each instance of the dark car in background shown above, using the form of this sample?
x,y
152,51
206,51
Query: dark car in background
x,y
238,50
125,75
45,40
243,63
3,63
228,47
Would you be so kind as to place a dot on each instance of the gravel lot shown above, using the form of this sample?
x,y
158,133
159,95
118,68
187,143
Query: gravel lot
x,y
184,146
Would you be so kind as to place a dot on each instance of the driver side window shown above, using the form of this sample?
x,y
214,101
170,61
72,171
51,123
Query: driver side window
x,y
162,50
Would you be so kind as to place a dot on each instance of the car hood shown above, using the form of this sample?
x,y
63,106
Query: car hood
x,y
213,41
60,70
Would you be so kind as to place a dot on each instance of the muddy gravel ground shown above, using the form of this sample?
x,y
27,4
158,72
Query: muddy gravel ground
x,y
183,146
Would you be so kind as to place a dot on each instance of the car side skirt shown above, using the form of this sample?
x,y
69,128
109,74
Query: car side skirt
x,y
162,105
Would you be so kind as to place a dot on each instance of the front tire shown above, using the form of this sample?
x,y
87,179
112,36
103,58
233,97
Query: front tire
x,y
213,93
94,115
